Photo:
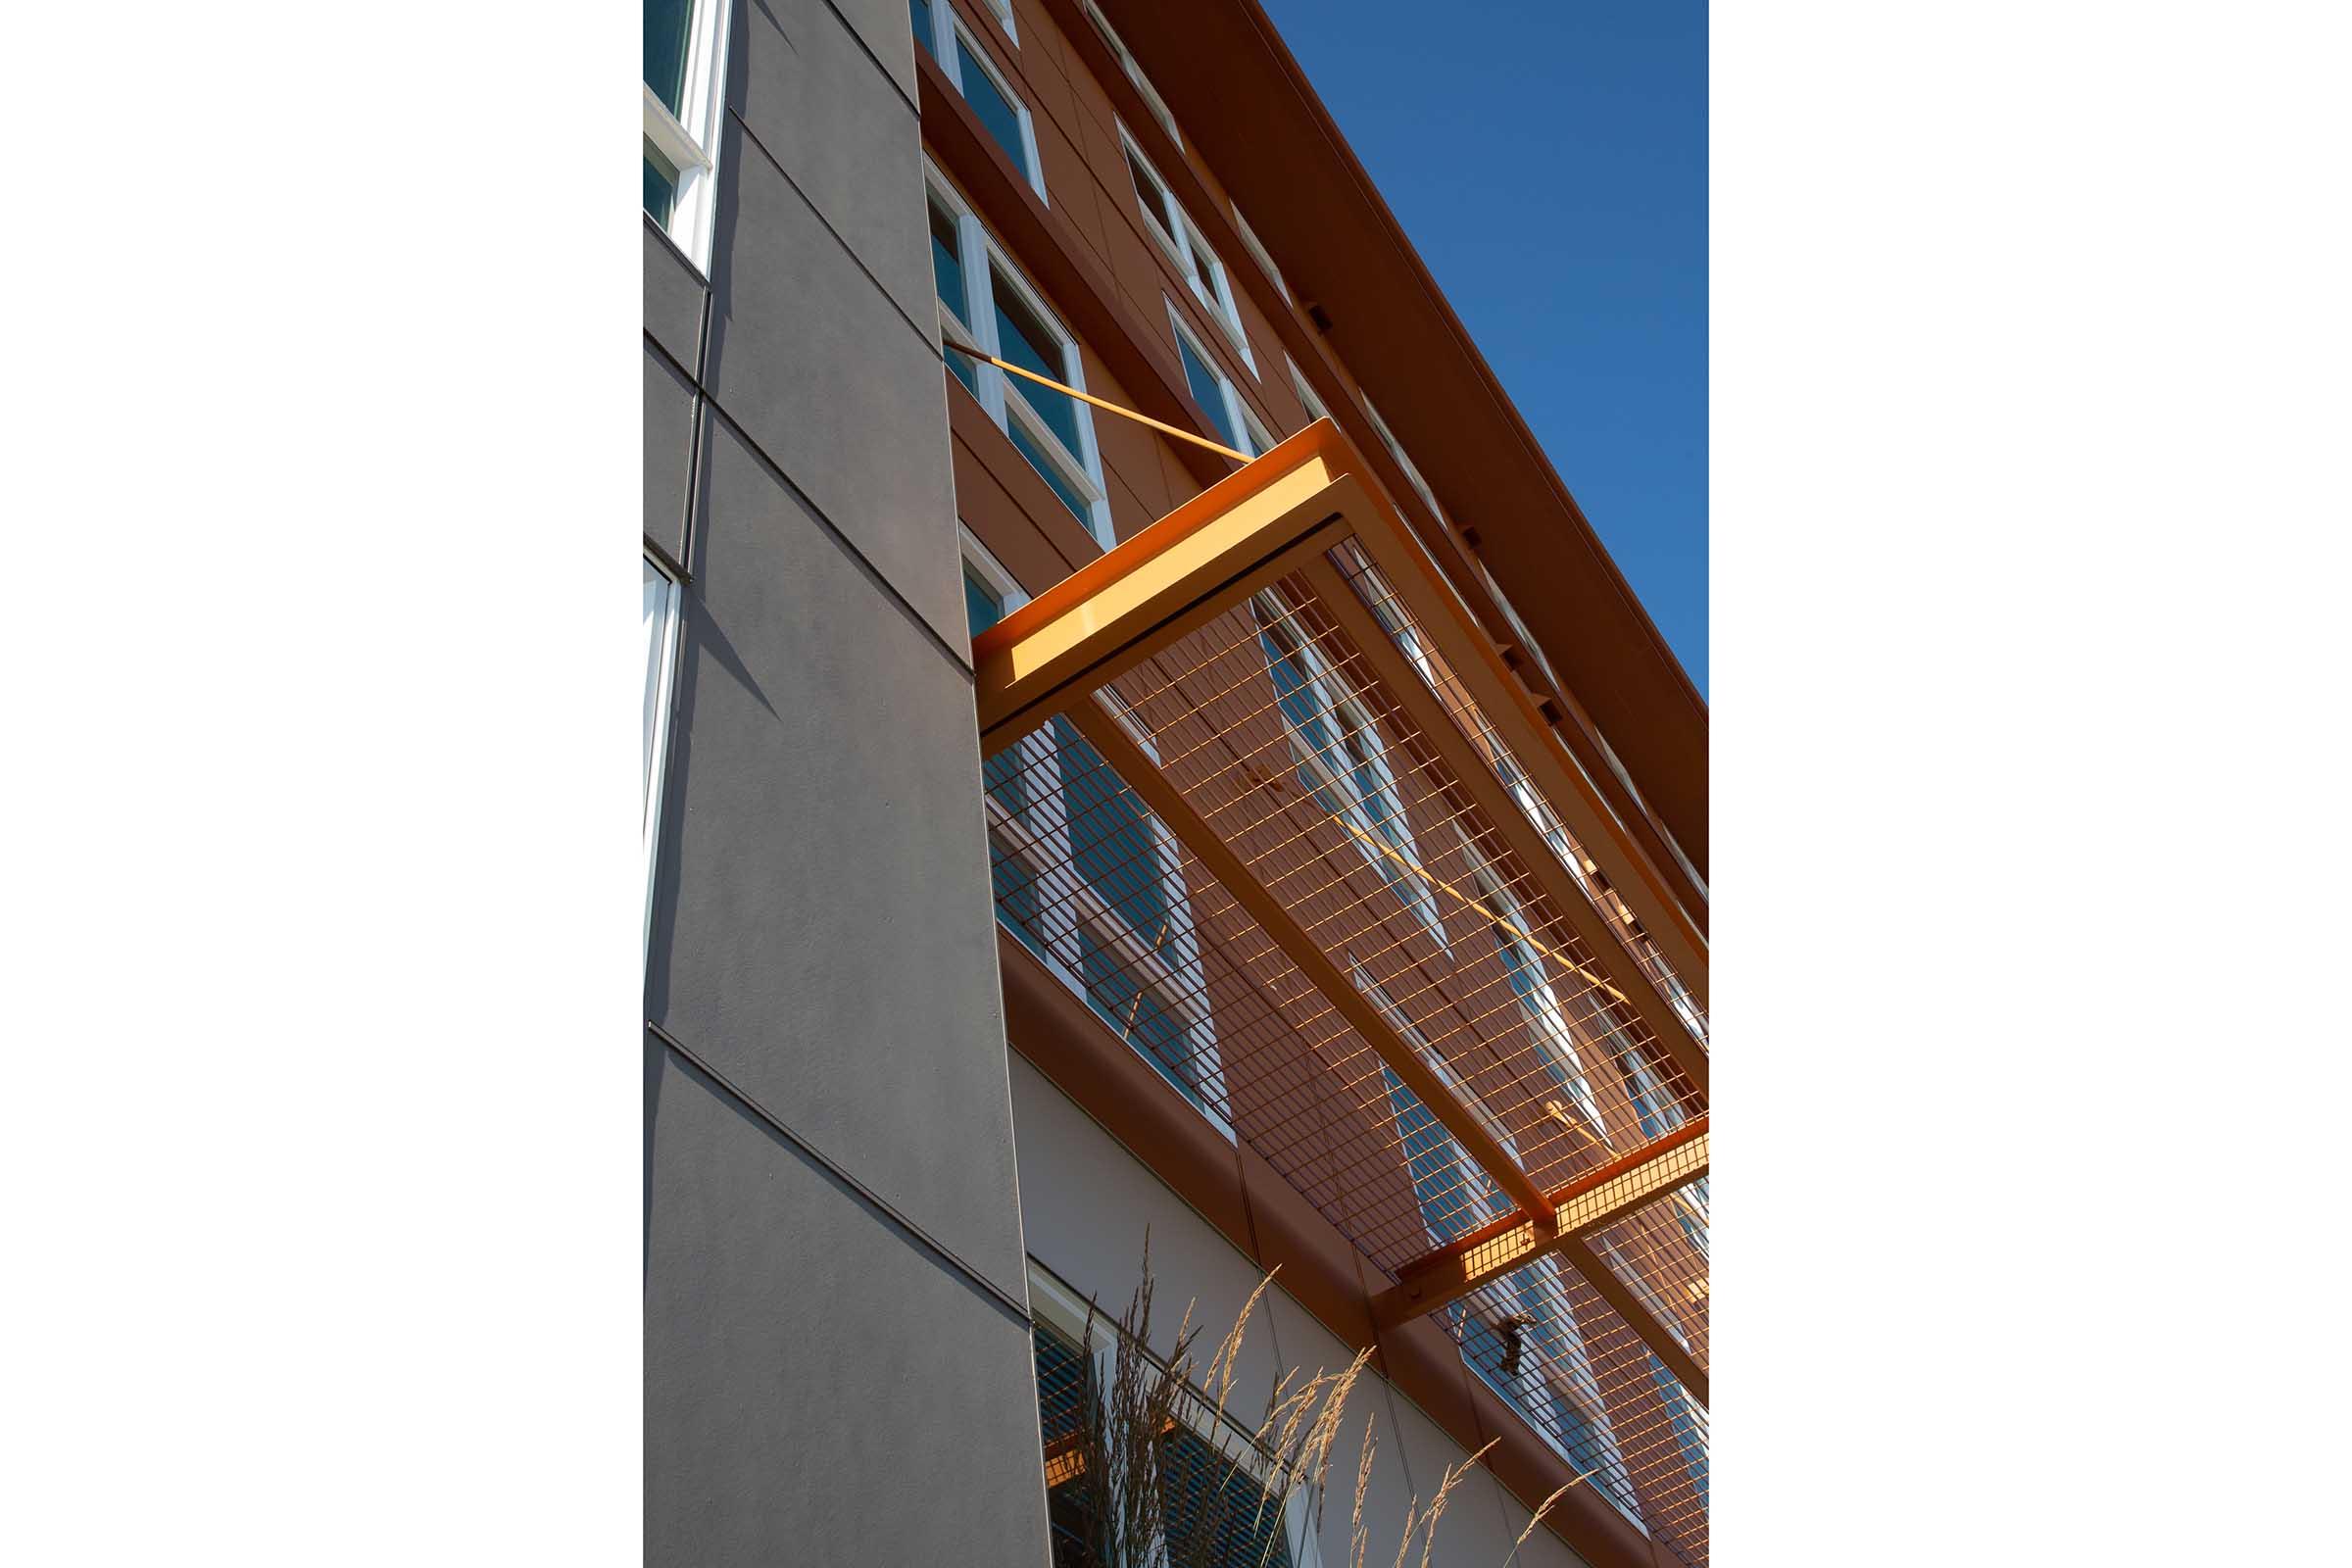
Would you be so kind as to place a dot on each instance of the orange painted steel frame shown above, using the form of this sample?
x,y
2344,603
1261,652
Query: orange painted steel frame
x,y
1284,160
1275,516
1632,855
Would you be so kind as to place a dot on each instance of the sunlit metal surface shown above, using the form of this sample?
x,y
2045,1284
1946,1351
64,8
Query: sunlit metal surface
x,y
1245,798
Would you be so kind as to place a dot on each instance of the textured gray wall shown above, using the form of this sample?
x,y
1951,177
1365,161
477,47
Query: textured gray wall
x,y
836,1363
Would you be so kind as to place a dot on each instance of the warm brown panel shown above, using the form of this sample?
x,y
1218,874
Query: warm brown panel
x,y
1058,261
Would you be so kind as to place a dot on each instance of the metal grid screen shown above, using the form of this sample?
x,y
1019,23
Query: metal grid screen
x,y
1281,736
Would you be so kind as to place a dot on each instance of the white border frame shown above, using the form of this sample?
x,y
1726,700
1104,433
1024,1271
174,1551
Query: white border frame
x,y
1174,971
1258,251
1248,428
1308,399
690,141
1058,1306
661,684
951,44
1176,235
1135,72
1351,717
976,328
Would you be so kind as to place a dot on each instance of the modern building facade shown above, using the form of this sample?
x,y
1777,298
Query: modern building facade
x,y
1329,898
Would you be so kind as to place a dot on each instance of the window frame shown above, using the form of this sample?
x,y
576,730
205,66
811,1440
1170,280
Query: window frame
x,y
690,140
1176,235
1083,470
1309,398
1387,438
1037,833
1350,714
1260,254
1134,71
952,43
1058,1305
662,664
1255,438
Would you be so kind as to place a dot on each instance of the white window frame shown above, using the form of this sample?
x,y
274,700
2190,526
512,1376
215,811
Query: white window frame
x,y
1060,1309
1548,1020
1002,10
951,45
1493,1205
983,259
1254,438
1352,722
1172,229
1174,973
690,141
1314,405
1258,252
1387,438
660,677
1135,74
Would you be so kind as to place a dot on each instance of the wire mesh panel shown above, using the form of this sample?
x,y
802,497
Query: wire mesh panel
x,y
1545,1341
1388,986
1423,651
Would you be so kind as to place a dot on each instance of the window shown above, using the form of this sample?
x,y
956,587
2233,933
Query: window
x,y
1090,882
1002,10
1521,1337
685,54
944,37
660,654
1306,394
1387,438
1550,1022
1520,1334
1212,1477
1258,251
1165,220
1342,759
1135,74
985,305
1216,394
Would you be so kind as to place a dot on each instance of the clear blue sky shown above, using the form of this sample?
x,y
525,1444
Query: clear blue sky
x,y
1549,159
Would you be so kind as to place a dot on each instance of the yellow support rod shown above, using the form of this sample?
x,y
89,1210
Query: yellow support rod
x,y
1011,368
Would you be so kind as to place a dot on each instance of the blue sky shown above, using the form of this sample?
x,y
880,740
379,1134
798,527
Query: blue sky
x,y
1549,162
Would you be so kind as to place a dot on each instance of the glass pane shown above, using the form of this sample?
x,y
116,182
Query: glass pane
x,y
1154,199
1064,1391
667,24
1110,838
656,622
1208,389
981,608
1030,343
947,263
1218,1516
1206,265
660,185
995,110
922,24
1071,496
963,369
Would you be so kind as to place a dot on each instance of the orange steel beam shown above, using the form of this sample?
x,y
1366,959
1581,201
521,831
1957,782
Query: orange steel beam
x,y
1422,705
1583,1207
1507,706
1656,1336
1127,759
1177,575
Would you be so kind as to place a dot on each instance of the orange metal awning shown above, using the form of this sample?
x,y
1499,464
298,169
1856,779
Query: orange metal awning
x,y
1261,794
